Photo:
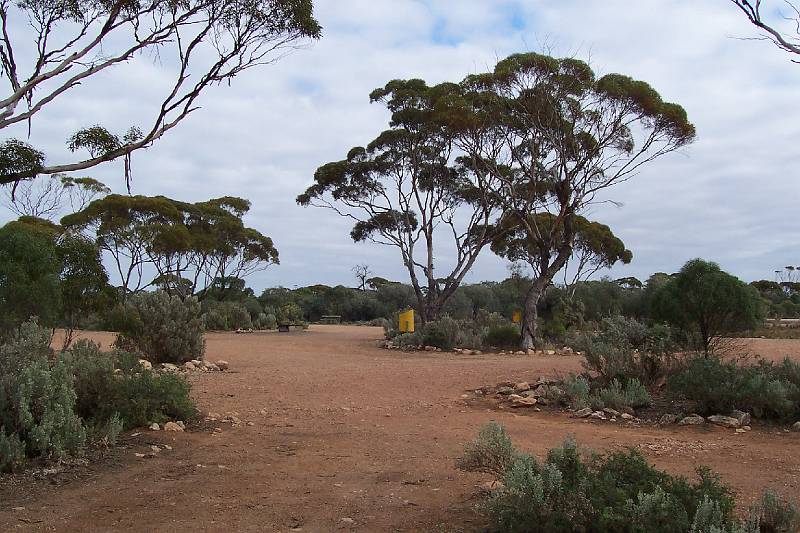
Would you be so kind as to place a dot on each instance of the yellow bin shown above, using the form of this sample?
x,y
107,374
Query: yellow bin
x,y
406,321
516,318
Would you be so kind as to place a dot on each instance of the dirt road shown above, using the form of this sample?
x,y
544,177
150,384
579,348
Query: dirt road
x,y
347,436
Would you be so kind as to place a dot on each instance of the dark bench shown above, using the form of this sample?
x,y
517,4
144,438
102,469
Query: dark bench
x,y
330,319
284,328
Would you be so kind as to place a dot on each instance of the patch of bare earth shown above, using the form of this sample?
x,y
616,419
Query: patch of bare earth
x,y
336,433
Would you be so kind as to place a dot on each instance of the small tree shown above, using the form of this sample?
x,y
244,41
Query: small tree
x,y
45,198
362,273
707,303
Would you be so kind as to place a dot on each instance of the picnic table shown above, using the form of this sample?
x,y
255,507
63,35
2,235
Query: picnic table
x,y
286,327
330,319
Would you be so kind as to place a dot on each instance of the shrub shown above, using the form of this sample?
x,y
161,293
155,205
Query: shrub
x,y
408,340
37,401
625,348
265,321
438,334
380,323
227,316
616,396
163,329
576,391
766,389
574,490
110,385
289,313
505,336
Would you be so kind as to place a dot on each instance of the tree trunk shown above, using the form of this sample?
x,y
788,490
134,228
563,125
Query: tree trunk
x,y
530,315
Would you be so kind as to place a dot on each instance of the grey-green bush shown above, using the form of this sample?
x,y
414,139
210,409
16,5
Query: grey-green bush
x,y
164,329
37,401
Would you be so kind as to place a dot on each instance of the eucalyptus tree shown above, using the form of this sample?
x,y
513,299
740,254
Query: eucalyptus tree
x,y
409,189
189,246
554,137
46,198
759,12
49,49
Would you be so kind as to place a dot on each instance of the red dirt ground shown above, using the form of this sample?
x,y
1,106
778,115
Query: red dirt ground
x,y
344,429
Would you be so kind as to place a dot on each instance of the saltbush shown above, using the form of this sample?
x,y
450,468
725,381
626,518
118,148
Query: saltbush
x,y
617,396
163,329
439,334
714,385
625,348
37,401
227,316
265,321
576,490
504,336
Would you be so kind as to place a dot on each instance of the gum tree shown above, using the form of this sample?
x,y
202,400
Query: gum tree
x,y
409,189
49,49
554,137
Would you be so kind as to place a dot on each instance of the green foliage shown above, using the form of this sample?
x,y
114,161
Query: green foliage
x,y
19,159
289,313
227,316
766,389
506,336
163,329
576,391
29,277
573,490
707,303
438,334
110,385
633,394
265,321
37,401
625,348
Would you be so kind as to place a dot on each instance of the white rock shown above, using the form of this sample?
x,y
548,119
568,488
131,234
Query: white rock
x,y
582,413
189,366
145,364
154,426
724,421
172,426
796,426
692,420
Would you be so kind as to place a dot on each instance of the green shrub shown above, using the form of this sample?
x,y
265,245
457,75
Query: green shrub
x,y
408,340
766,389
625,348
505,336
265,321
616,396
227,316
438,334
163,329
574,490
576,391
289,313
110,385
37,401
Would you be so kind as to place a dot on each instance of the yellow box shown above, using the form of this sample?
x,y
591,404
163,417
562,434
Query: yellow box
x,y
516,318
406,321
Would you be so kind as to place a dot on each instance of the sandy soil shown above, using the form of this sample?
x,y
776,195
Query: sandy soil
x,y
344,430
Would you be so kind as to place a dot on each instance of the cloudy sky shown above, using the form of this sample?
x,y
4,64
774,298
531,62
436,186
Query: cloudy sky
x,y
730,197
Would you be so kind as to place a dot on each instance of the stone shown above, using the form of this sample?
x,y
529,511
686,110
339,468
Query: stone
x,y
530,351
692,420
477,352
211,367
742,416
724,421
582,413
627,416
154,426
522,386
430,348
519,352
145,364
668,419
504,390
796,426
519,401
189,366
550,352
169,367
611,412
466,352
197,363
172,426
598,415
543,401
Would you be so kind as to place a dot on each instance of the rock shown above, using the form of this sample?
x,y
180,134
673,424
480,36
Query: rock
x,y
598,415
543,401
626,409
155,427
522,386
189,366
692,420
742,416
611,412
172,426
519,401
197,363
796,426
213,416
668,419
145,364
211,367
169,367
504,390
740,430
430,348
550,352
724,421
181,424
519,352
530,351
466,352
627,416
477,352
582,413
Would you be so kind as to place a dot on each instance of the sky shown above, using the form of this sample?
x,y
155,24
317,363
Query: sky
x,y
730,197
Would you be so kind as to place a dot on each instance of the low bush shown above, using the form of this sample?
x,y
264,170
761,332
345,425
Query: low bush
x,y
53,406
504,336
439,334
265,321
163,329
227,316
576,490
617,396
407,340
37,401
714,385
625,348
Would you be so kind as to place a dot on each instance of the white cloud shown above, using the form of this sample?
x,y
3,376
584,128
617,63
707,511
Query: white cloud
x,y
730,197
